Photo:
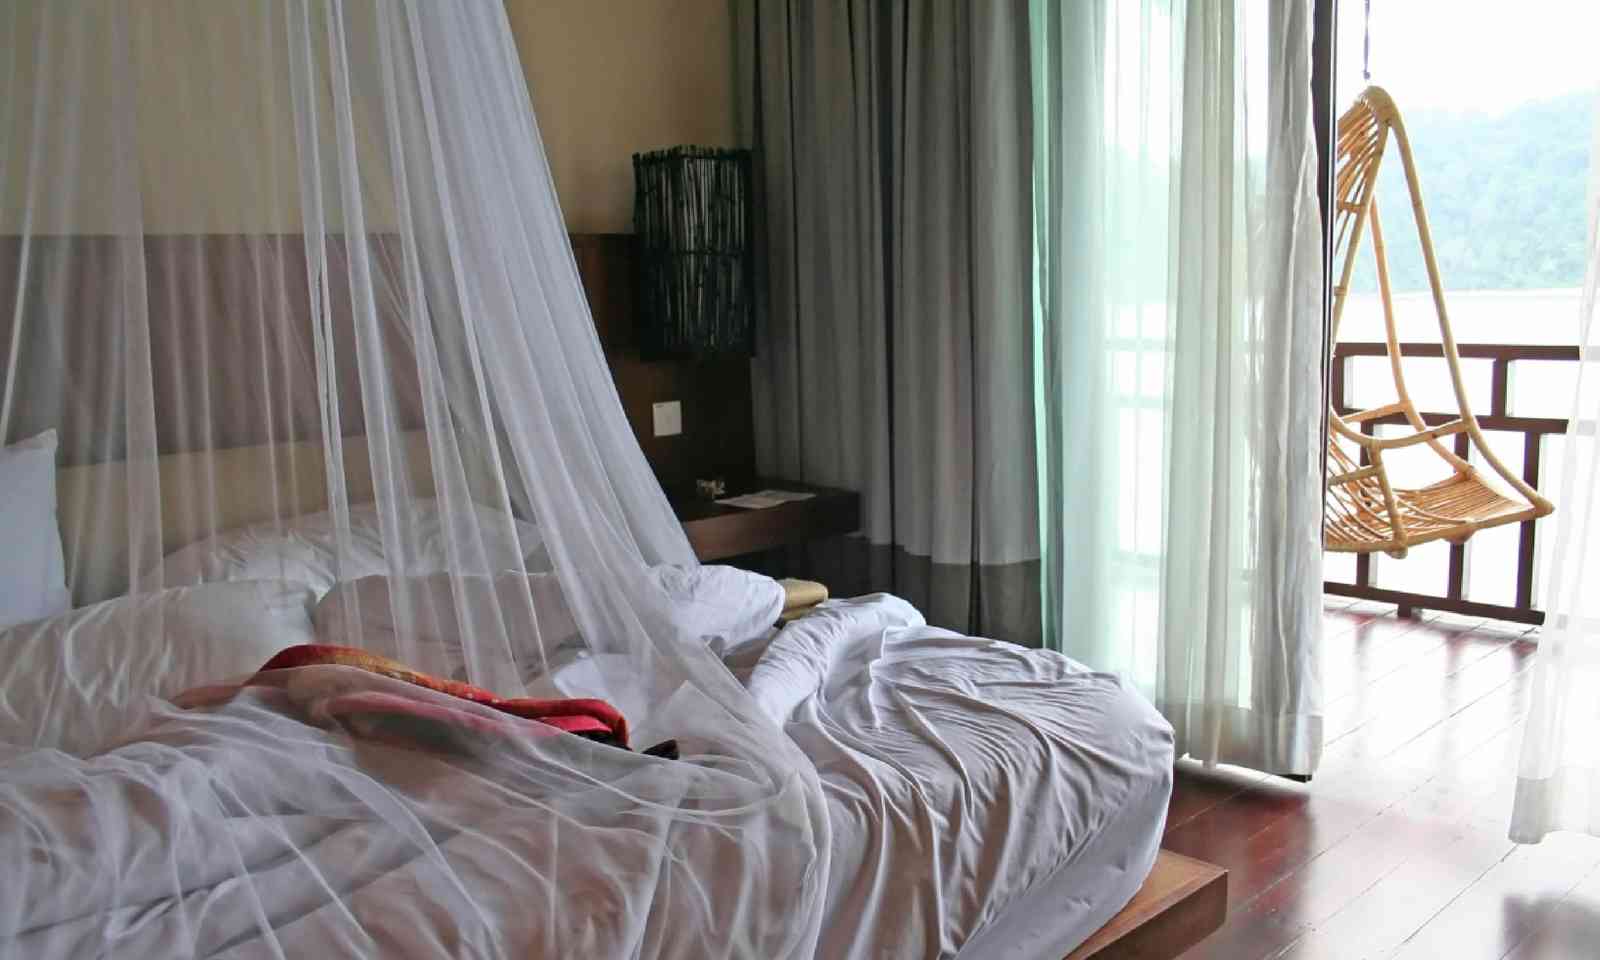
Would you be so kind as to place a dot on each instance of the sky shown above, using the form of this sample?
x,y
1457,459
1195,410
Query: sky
x,y
1472,54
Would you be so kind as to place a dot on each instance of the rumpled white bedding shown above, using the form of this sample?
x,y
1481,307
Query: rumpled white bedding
x,y
964,776
244,832
310,548
961,777
717,605
78,681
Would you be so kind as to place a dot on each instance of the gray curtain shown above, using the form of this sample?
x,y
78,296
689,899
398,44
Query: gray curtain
x,y
895,331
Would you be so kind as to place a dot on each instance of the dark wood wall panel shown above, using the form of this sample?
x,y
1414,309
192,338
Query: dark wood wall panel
x,y
229,371
229,340
718,436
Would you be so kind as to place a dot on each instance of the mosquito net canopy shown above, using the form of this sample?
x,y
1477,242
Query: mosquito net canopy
x,y
288,283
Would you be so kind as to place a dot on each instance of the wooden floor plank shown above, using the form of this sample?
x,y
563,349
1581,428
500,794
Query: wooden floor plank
x,y
1354,659
1570,926
1507,904
1398,846
1192,796
1356,842
1356,861
1456,671
1377,921
1261,834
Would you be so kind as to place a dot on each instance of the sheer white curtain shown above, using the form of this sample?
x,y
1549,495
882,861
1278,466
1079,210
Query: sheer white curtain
x,y
1558,784
322,235
1179,362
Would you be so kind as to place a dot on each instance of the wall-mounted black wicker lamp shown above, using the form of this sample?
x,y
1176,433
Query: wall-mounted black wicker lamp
x,y
691,209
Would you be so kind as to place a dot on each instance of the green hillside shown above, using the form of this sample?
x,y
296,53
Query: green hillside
x,y
1505,196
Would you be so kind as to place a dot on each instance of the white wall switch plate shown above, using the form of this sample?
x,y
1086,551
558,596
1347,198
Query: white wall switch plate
x,y
668,418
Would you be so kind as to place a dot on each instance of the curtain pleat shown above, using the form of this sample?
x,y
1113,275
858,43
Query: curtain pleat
x,y
1558,781
895,333
1179,362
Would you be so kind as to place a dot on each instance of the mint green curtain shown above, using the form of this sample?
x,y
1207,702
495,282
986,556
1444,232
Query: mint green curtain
x,y
1178,362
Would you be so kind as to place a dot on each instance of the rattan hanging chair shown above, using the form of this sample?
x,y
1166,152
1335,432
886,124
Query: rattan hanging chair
x,y
1365,512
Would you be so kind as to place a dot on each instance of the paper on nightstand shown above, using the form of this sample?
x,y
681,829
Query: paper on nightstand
x,y
762,499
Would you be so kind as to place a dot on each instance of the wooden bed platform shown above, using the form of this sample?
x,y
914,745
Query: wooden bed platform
x,y
1181,903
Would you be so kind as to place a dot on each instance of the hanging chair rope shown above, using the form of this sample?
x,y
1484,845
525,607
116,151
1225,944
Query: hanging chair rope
x,y
1366,43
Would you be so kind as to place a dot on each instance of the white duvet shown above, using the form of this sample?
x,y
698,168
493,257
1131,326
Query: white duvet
x,y
960,776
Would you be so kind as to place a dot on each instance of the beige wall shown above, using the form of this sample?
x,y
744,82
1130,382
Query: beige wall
x,y
206,85
612,77
608,78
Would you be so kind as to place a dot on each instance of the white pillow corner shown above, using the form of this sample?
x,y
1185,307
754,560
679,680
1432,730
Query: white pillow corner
x,y
33,572
76,681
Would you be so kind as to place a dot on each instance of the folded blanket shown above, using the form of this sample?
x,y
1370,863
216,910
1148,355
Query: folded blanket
x,y
376,712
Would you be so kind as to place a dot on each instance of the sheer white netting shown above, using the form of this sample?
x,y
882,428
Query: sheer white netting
x,y
293,272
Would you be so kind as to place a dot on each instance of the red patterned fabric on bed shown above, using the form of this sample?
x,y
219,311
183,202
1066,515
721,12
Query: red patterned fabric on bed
x,y
380,712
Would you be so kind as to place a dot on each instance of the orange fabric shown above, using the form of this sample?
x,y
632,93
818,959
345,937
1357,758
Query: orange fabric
x,y
585,716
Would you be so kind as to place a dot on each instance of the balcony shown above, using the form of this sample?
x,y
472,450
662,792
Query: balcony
x,y
1494,574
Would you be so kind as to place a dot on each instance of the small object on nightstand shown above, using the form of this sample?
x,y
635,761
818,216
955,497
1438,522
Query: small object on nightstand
x,y
717,531
762,499
799,596
711,489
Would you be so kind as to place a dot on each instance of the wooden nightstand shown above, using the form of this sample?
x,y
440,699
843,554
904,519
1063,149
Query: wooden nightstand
x,y
717,531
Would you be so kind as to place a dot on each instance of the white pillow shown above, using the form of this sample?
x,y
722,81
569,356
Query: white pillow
x,y
306,548
33,572
368,613
722,607
76,681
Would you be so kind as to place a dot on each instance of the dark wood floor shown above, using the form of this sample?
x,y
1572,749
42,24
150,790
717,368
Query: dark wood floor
x,y
1398,847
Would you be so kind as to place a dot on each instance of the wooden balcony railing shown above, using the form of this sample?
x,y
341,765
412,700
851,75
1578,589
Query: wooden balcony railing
x,y
1495,416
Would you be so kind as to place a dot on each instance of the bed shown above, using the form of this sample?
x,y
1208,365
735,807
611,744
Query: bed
x,y
984,800
992,800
